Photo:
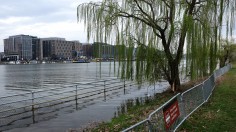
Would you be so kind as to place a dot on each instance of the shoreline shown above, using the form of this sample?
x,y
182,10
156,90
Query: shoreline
x,y
128,118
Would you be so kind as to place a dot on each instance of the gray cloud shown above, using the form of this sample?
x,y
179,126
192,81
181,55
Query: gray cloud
x,y
40,10
33,8
43,18
40,17
29,8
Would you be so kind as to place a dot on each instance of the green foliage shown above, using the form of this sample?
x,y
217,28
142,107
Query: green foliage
x,y
226,52
158,25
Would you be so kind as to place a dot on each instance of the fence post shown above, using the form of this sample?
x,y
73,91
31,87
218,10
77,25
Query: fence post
x,y
76,98
183,106
32,106
150,127
104,90
203,92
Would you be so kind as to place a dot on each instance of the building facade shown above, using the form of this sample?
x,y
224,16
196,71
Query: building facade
x,y
1,56
103,50
77,49
87,50
59,49
21,45
35,48
26,47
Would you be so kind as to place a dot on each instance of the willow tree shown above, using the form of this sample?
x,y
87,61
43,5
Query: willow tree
x,y
226,52
160,30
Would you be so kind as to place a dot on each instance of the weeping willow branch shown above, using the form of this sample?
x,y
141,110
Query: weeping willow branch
x,y
161,29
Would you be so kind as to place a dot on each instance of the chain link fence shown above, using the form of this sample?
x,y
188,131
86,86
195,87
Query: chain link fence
x,y
174,112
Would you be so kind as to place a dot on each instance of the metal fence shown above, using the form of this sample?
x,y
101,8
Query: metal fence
x,y
174,112
35,106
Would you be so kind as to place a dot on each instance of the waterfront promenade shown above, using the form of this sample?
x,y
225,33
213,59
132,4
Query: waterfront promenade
x,y
92,112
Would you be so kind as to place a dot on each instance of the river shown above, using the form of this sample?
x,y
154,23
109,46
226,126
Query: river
x,y
16,79
19,78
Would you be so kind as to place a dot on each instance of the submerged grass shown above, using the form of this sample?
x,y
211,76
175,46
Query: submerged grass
x,y
134,114
219,113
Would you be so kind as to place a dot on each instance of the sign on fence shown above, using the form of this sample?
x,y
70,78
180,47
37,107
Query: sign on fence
x,y
171,112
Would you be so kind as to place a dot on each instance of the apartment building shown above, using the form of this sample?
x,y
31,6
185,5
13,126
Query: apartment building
x,y
21,45
26,47
58,48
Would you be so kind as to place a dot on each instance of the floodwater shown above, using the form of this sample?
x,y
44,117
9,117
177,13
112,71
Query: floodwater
x,y
17,79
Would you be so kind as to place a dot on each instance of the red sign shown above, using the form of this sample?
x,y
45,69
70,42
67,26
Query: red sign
x,y
171,113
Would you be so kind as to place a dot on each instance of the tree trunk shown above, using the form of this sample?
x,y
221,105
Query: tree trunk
x,y
175,86
222,62
174,79
173,76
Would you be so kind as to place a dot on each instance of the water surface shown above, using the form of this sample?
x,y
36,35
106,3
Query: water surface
x,y
17,79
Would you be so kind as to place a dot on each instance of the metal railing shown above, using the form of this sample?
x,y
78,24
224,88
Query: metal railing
x,y
187,102
39,105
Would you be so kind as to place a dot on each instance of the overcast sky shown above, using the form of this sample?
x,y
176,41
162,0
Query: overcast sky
x,y
42,18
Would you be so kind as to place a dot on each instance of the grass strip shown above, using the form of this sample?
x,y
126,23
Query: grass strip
x,y
219,113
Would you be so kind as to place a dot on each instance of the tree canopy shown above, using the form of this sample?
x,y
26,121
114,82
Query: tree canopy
x,y
161,30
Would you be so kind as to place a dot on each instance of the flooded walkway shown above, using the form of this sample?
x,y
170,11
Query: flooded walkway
x,y
71,118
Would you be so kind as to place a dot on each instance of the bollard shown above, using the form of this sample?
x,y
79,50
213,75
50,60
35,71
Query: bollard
x,y
33,116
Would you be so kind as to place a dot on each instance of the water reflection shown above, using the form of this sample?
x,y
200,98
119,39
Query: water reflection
x,y
126,105
19,78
